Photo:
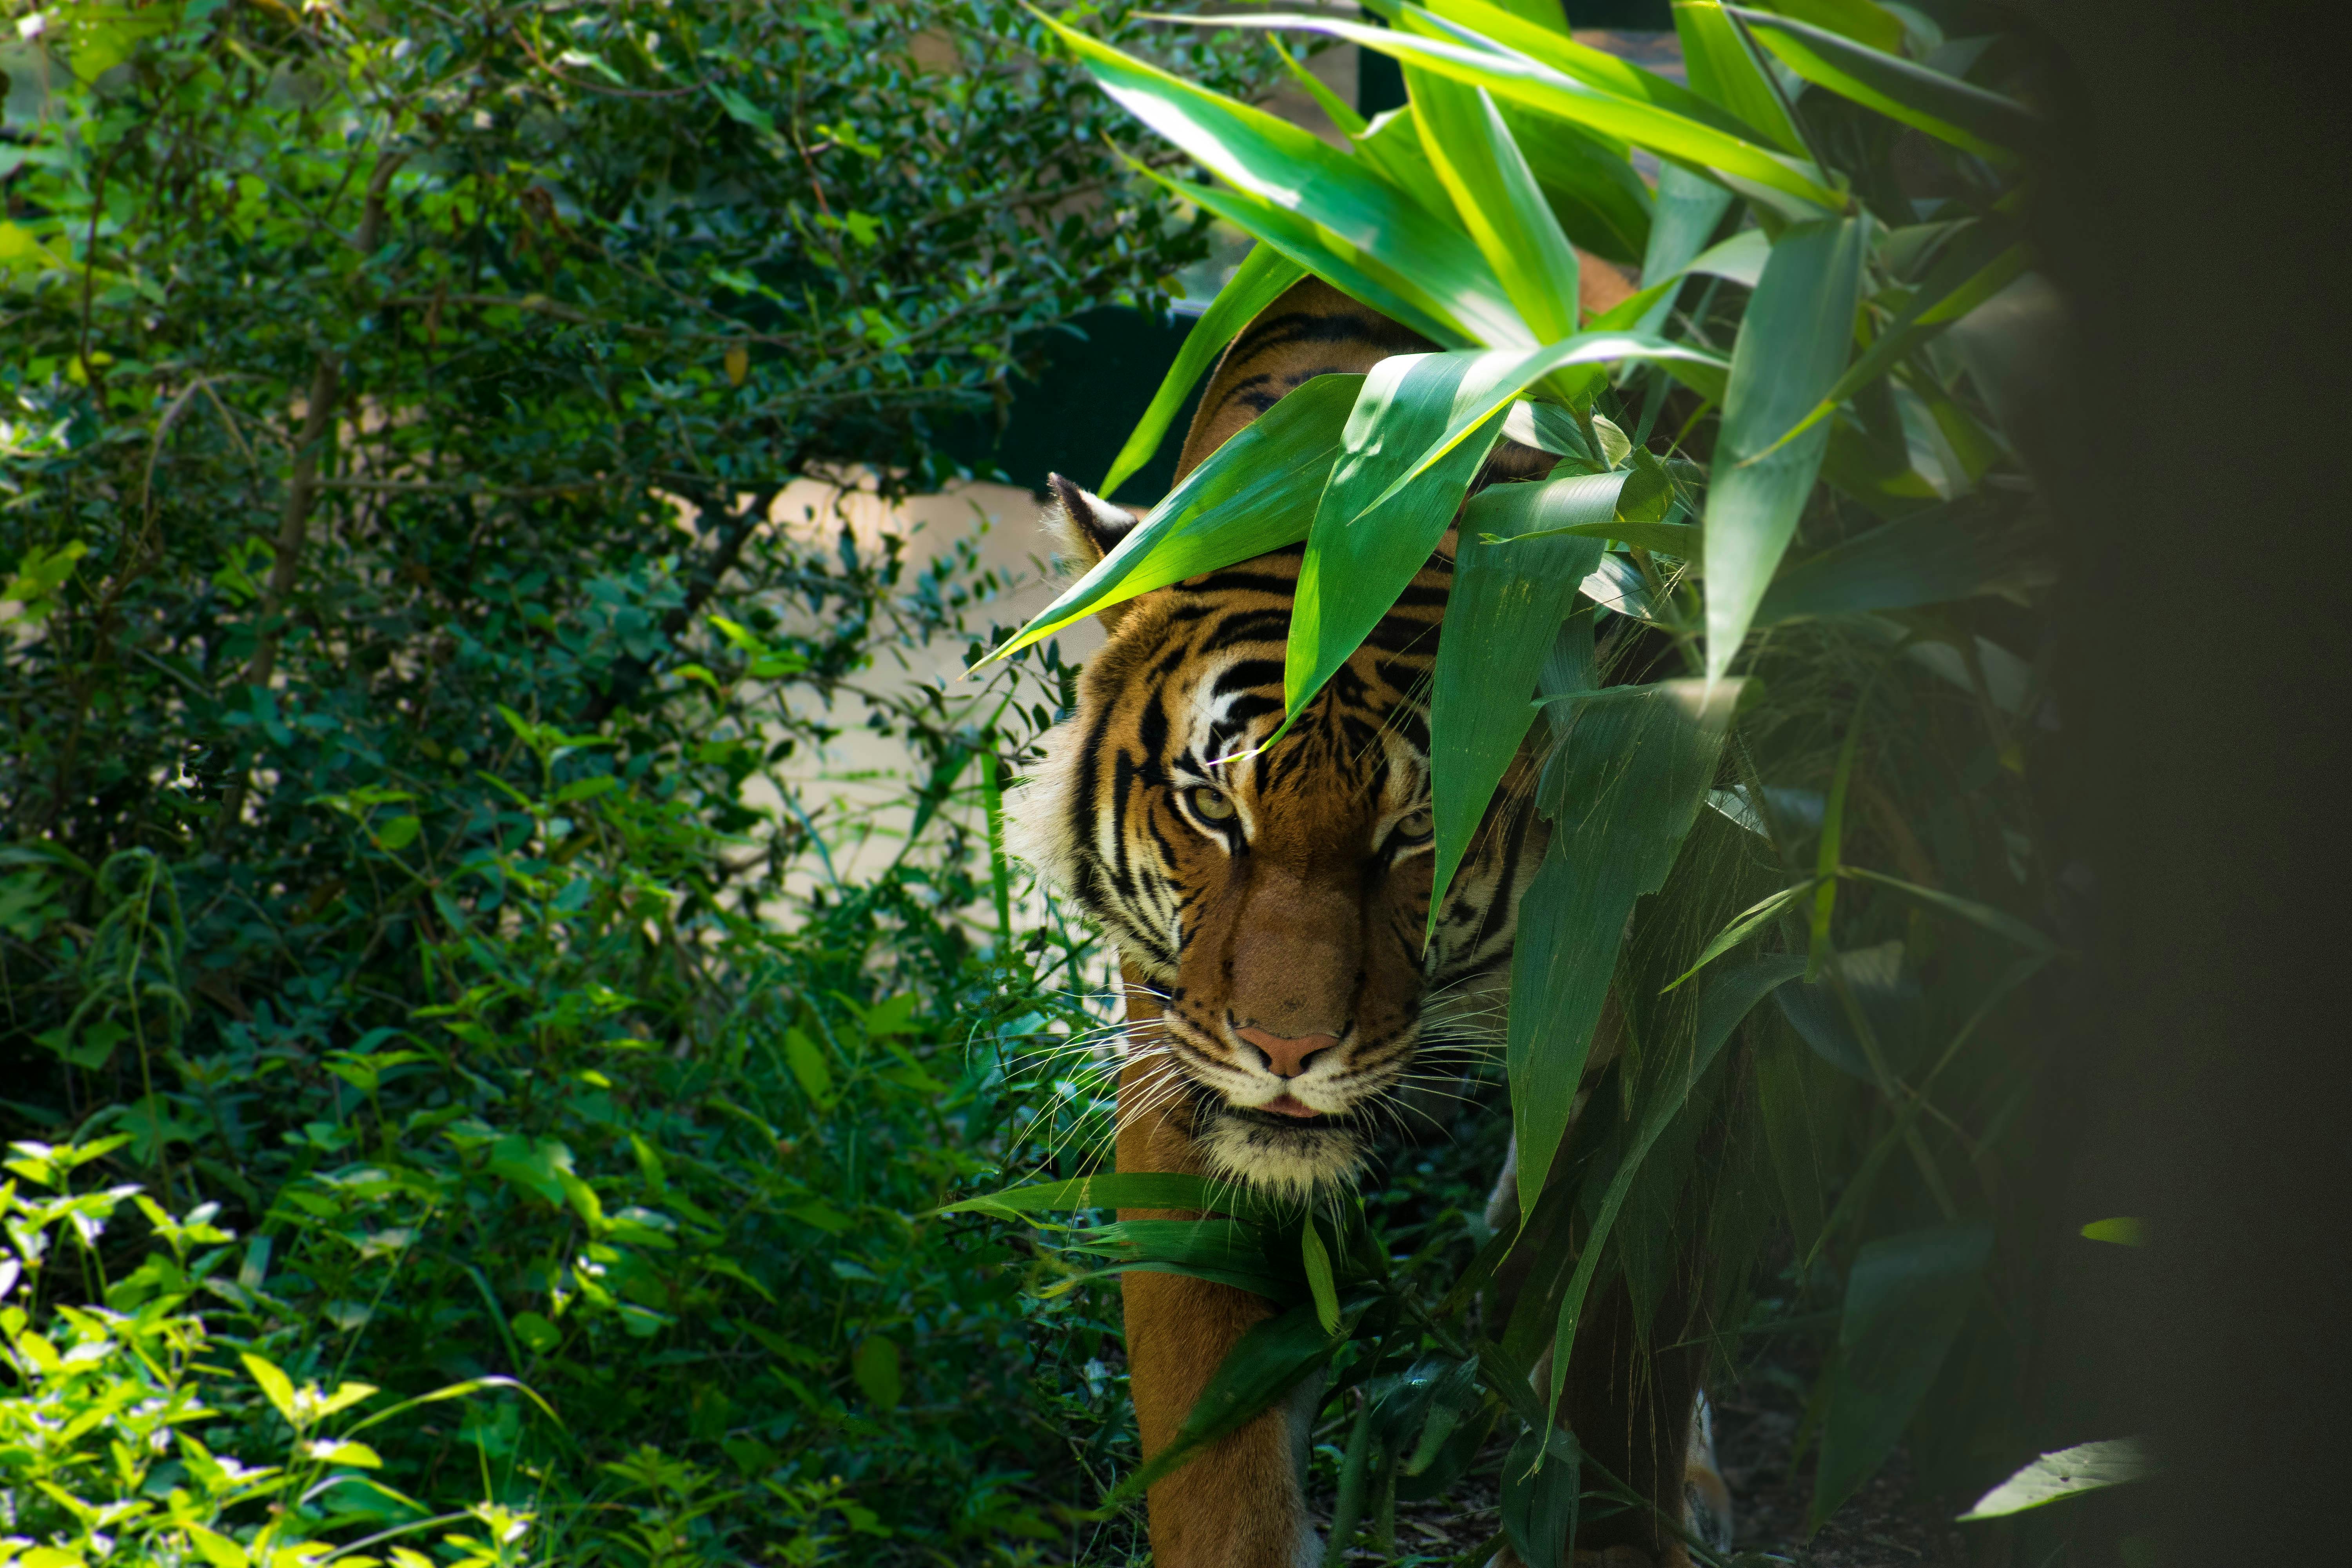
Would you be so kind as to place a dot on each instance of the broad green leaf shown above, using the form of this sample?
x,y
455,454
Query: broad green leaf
x,y
1793,344
1945,107
1526,80
1392,144
1509,600
1319,1281
1685,214
1258,493
1260,280
1928,558
1266,1362
806,1059
1348,1507
1738,259
1826,846
1731,995
1622,789
217,1548
1354,213
2123,1232
1542,1481
1496,194
2068,1472
1370,534
1725,70
1905,1300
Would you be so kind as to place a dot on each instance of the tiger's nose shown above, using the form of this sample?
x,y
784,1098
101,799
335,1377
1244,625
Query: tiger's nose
x,y
1287,1055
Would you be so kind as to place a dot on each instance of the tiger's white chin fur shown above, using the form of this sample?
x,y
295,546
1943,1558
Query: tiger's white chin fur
x,y
1288,1162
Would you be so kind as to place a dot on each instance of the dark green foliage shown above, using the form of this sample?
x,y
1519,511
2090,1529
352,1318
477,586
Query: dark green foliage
x,y
408,702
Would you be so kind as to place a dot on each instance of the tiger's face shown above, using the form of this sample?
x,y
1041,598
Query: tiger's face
x,y
1273,902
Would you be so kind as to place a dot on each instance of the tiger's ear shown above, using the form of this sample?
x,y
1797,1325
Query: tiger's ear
x,y
1086,528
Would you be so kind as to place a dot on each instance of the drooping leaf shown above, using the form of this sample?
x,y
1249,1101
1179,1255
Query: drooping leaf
x,y
1905,1300
1230,1252
1319,1281
1962,114
1260,280
2000,922
1864,21
2068,1472
1266,1362
1508,599
1750,920
1623,790
1793,343
2122,1232
1592,186
1255,493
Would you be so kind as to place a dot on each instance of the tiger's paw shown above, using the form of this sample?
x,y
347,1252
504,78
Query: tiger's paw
x,y
1707,1499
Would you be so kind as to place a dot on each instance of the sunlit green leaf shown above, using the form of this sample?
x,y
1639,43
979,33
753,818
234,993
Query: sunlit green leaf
x,y
1725,70
1264,274
2068,1472
1967,116
1258,493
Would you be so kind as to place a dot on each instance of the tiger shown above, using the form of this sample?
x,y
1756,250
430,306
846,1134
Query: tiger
x,y
1267,910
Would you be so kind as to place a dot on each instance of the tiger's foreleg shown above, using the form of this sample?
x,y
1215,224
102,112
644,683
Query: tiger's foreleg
x,y
1241,1502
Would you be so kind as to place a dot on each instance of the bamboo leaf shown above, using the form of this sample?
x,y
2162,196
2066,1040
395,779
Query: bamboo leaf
x,y
1623,790
1691,131
1945,107
1723,70
1684,216
1905,1298
1111,1190
1592,186
1508,599
1262,276
1255,493
1347,209
1793,345
1864,21
1266,1362
1496,194
1542,1483
1370,532
1928,558
2068,1472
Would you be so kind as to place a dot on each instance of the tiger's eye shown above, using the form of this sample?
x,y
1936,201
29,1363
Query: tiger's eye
x,y
1211,806
1416,825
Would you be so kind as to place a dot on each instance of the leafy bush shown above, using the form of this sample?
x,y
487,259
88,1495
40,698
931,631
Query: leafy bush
x,y
412,696
1805,424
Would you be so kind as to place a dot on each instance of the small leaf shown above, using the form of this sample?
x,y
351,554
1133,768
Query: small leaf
x,y
2068,1472
275,1384
807,1062
739,365
876,1366
2122,1232
1319,1277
